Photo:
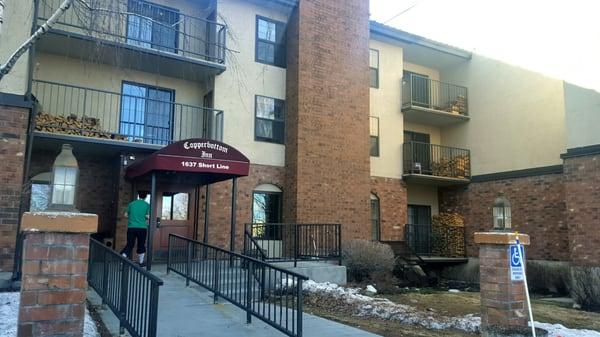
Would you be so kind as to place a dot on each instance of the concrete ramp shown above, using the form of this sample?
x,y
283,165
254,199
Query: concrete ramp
x,y
190,312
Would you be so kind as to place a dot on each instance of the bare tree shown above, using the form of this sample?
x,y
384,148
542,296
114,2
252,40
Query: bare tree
x,y
1,14
12,60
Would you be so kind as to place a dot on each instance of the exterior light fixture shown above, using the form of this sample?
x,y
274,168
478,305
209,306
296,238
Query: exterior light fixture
x,y
65,175
501,213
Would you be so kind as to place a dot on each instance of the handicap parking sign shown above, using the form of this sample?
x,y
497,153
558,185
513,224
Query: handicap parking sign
x,y
516,257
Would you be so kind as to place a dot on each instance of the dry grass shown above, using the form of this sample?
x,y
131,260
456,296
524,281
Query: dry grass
x,y
450,304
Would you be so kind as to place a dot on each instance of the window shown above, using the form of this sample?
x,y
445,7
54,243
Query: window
x,y
270,42
266,208
40,194
152,26
146,114
375,218
374,136
374,66
270,120
175,206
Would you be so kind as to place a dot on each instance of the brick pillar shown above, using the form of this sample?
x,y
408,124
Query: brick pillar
x,y
504,309
327,129
54,279
13,136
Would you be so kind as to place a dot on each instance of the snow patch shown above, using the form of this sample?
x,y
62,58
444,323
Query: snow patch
x,y
9,312
371,289
558,330
385,309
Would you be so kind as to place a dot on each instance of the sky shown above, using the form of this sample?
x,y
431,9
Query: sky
x,y
559,38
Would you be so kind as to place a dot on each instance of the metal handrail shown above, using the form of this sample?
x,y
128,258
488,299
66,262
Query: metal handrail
x,y
186,121
421,91
188,36
130,291
250,244
287,242
274,297
436,160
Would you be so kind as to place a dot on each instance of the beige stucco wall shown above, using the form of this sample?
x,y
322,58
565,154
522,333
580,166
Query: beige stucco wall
x,y
423,195
517,116
65,70
433,131
235,89
433,74
385,103
16,29
582,107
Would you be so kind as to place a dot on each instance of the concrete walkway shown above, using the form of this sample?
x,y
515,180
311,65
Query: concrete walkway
x,y
190,312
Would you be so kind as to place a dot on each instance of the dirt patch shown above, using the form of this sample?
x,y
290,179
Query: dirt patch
x,y
382,327
102,330
438,303
463,303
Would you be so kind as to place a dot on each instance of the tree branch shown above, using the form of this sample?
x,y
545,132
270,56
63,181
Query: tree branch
x,y
12,60
1,14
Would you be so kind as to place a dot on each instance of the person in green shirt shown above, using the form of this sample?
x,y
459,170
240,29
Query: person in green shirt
x,y
137,214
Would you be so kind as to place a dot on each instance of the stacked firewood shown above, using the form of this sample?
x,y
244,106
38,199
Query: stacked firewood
x,y
459,106
456,167
448,232
73,125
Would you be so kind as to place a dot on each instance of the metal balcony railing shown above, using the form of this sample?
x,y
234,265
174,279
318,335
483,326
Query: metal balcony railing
x,y
436,160
142,24
80,111
422,92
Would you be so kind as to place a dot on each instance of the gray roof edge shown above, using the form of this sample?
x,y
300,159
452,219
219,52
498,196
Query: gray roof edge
x,y
400,35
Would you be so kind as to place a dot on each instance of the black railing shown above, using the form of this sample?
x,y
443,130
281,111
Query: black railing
x,y
267,292
96,113
420,91
129,291
418,238
288,242
142,24
436,160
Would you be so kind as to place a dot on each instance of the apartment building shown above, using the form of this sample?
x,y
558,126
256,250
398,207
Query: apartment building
x,y
343,120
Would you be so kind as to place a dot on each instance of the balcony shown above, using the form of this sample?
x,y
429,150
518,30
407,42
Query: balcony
x,y
137,119
436,164
427,101
136,34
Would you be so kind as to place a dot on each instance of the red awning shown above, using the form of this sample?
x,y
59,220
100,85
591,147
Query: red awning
x,y
213,160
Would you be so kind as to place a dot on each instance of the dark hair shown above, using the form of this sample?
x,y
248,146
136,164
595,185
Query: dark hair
x,y
142,194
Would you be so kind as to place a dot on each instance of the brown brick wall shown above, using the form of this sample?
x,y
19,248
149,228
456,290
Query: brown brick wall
x,y
54,284
392,203
538,209
98,178
582,181
327,142
13,136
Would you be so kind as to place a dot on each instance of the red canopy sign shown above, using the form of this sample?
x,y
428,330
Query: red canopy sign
x,y
194,156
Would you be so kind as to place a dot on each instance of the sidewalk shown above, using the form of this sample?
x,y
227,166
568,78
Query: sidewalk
x,y
190,312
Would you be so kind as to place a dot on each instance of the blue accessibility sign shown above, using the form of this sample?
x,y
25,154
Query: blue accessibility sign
x,y
516,258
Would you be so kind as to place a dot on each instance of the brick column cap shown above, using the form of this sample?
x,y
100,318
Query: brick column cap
x,y
60,222
500,238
